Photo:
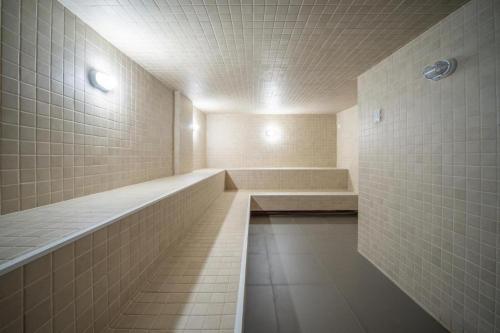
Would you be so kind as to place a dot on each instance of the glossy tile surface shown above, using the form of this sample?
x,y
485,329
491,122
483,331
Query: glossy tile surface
x,y
261,56
62,138
27,233
304,274
348,144
429,202
287,179
84,284
240,140
194,285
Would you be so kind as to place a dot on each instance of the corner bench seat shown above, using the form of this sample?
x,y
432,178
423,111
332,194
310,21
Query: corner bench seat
x,y
164,254
300,201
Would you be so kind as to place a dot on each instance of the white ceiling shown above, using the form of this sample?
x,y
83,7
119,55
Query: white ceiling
x,y
268,56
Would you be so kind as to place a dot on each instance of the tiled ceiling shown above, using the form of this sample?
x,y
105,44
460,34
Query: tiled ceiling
x,y
270,56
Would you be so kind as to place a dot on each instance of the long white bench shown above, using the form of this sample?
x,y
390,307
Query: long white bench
x,y
30,233
169,253
86,258
302,201
198,284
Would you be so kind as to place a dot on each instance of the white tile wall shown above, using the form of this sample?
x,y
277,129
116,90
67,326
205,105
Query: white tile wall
x,y
61,138
239,140
348,144
429,213
199,139
287,179
183,121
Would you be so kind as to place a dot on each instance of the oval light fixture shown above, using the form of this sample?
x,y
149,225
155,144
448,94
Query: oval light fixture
x,y
440,69
272,134
101,81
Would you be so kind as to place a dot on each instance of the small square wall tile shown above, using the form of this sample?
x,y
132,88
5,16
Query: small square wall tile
x,y
37,269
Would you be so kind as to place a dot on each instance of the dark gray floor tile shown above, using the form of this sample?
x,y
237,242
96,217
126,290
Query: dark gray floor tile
x,y
258,269
259,310
317,228
313,308
296,269
333,244
255,228
373,296
339,261
257,243
337,276
286,314
288,243
290,228
261,219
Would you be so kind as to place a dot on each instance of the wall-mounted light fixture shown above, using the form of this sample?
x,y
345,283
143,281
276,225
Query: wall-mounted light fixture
x,y
195,127
101,81
440,70
272,134
377,116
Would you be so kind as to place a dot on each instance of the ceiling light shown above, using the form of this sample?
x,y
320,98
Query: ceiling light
x,y
101,81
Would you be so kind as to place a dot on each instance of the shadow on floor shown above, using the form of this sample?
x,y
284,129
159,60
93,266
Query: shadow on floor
x,y
304,274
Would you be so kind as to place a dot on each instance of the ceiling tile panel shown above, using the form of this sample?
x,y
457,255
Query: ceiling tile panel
x,y
267,56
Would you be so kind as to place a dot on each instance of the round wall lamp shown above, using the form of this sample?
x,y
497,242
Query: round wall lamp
x,y
440,69
272,134
101,81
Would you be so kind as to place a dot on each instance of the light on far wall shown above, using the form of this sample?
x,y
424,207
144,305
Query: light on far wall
x,y
272,134
101,81
194,127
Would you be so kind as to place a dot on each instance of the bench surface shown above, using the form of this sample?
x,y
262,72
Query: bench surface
x,y
28,234
198,284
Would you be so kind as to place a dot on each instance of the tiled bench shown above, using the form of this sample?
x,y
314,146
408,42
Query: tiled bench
x,y
124,259
197,285
301,201
287,179
294,189
85,258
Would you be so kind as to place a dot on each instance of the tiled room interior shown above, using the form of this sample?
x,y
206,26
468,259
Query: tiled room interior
x,y
250,166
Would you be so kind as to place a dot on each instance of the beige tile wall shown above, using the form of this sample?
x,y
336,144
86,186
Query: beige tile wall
x,y
303,202
287,179
199,139
25,233
183,134
429,206
195,287
61,138
85,284
348,144
239,140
